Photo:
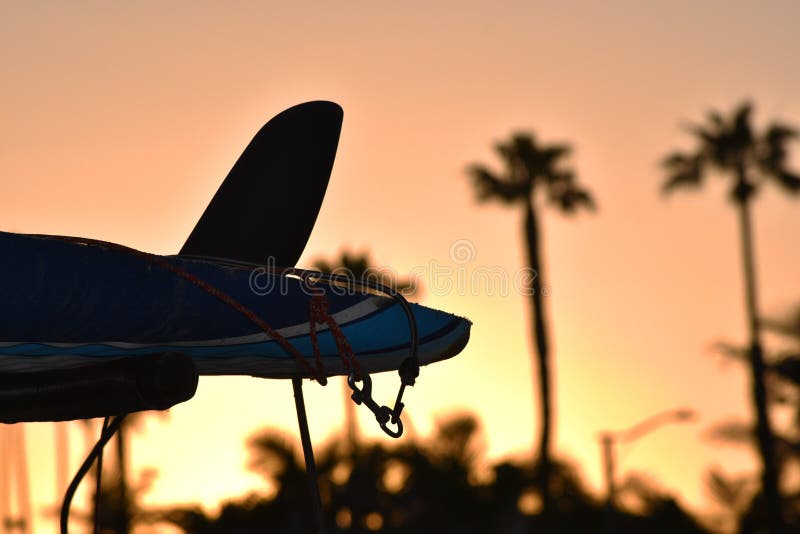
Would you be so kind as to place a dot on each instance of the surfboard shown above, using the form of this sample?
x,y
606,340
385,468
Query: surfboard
x,y
68,303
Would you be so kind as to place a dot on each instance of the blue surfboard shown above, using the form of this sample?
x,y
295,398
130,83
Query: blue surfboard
x,y
90,328
67,303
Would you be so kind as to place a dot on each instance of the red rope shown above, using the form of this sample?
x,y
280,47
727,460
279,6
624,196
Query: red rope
x,y
318,312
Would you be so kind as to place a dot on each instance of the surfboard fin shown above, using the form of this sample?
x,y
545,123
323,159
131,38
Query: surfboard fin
x,y
268,203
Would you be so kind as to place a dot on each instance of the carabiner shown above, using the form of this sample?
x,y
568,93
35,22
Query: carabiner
x,y
383,414
393,433
360,395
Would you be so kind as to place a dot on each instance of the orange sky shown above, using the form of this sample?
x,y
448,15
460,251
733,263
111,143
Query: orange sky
x,y
119,122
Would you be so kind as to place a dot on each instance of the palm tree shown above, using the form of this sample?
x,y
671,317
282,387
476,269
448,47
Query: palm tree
x,y
122,518
741,497
530,168
358,266
732,147
116,506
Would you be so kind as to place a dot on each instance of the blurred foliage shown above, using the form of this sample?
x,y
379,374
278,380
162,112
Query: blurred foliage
x,y
740,495
358,267
733,146
730,146
441,484
528,167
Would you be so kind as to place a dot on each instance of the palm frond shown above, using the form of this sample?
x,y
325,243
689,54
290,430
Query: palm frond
x,y
322,266
742,132
582,197
772,155
273,453
788,326
706,137
490,186
528,164
357,263
733,146
788,181
725,143
736,432
516,147
685,170
505,151
730,350
778,133
550,155
715,118
676,160
569,197
573,198
525,153
514,154
358,267
523,144
788,368
733,493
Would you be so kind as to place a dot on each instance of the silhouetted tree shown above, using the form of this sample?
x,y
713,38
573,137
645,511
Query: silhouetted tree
x,y
732,147
117,507
740,496
531,168
358,266
440,484
121,520
733,493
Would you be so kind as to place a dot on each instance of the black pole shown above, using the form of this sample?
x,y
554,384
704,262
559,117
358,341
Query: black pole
x,y
107,434
98,474
308,453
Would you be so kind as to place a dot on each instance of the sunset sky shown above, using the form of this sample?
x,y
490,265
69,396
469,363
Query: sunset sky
x,y
120,121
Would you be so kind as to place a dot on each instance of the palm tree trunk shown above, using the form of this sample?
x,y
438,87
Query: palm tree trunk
x,y
542,352
766,441
61,430
123,520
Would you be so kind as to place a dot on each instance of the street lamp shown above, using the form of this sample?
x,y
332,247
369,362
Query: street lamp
x,y
609,439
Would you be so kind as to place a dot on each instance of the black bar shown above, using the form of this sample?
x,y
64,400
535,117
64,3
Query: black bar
x,y
119,386
308,453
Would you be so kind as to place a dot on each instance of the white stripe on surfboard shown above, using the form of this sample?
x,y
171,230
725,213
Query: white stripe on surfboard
x,y
434,350
347,315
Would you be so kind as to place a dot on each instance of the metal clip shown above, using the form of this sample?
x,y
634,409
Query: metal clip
x,y
393,433
383,414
